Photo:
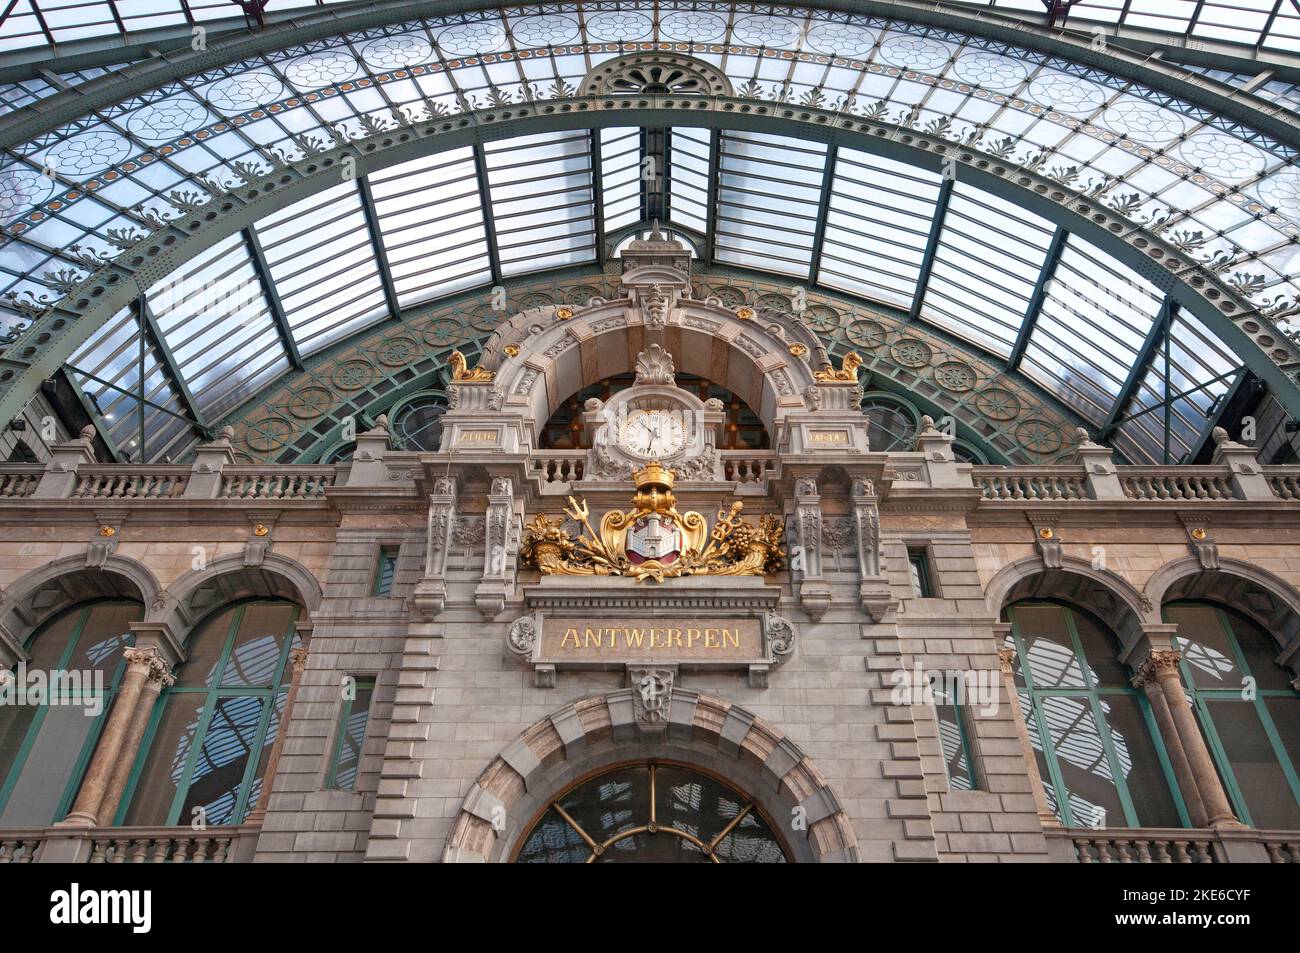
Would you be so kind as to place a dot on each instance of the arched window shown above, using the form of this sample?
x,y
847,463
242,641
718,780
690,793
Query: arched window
x,y
1098,749
891,424
46,743
417,424
1247,708
651,813
210,737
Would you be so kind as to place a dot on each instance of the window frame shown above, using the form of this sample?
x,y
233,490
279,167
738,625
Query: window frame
x,y
346,706
376,584
1094,694
215,693
1201,698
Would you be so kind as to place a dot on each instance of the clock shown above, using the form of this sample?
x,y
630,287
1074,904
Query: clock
x,y
653,434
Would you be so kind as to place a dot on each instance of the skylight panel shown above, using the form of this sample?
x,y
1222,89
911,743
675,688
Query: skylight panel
x,y
543,207
620,176
1095,317
989,258
323,263
768,194
877,226
691,158
431,218
217,323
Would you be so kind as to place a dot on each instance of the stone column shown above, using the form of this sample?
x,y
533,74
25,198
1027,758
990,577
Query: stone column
x,y
298,661
1006,658
159,677
1163,666
1150,686
85,812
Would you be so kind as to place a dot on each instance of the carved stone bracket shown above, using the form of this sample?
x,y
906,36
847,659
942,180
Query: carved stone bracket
x,y
652,693
806,550
501,549
1200,540
1046,538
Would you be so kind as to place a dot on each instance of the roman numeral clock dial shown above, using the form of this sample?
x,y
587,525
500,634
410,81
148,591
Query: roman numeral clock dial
x,y
653,434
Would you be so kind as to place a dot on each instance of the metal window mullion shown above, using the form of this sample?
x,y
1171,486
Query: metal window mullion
x,y
1044,734
1035,306
823,209
711,211
931,247
489,218
167,360
1141,364
278,314
598,194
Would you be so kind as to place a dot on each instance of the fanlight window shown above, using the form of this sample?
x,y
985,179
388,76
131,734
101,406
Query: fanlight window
x,y
652,813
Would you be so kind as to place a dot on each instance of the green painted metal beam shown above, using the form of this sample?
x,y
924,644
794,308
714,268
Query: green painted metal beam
x,y
1036,299
1155,339
931,246
278,314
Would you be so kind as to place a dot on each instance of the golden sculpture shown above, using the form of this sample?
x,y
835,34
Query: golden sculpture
x,y
652,540
461,373
848,370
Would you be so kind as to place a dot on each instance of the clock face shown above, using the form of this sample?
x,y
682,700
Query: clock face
x,y
653,434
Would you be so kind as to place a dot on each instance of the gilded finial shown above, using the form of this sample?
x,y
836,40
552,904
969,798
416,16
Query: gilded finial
x,y
848,370
461,372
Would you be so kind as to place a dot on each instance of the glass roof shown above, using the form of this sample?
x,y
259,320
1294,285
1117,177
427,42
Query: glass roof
x,y
1076,322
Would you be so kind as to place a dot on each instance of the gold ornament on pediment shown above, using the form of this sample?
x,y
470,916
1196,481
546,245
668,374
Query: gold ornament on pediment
x,y
652,540
461,372
848,370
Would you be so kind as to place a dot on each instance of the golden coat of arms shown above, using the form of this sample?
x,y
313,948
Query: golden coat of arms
x,y
652,540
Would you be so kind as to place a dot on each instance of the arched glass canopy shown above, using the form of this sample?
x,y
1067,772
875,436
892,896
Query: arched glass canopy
x,y
1098,332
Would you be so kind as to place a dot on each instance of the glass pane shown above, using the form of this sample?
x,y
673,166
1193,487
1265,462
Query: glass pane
x,y
1254,762
1085,771
106,633
206,648
553,841
1205,646
223,760
353,736
15,722
952,739
164,765
259,643
1049,650
1099,649
1259,649
1135,753
612,803
48,645
48,767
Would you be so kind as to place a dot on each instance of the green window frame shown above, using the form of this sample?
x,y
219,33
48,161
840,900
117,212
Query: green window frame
x,y
1204,700
217,727
10,778
918,564
385,571
350,736
1090,701
952,720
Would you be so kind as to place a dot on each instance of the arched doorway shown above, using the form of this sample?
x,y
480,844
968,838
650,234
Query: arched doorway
x,y
652,812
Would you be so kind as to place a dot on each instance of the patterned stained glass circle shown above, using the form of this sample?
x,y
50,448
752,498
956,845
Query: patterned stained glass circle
x,y
841,39
550,29
822,319
162,121
998,403
696,25
774,302
310,402
443,331
397,351
990,70
580,296
486,319
1223,156
911,353
1038,436
534,299
245,91
321,69
269,433
915,52
1144,122
1067,94
614,25
955,376
731,298
865,334
353,375
22,187
1281,190
395,52
85,154
477,36
769,31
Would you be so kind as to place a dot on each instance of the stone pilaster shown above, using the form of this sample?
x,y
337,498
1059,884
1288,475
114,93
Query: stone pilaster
x,y
806,559
501,549
159,677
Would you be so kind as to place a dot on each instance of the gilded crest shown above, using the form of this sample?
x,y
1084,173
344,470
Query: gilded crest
x,y
653,540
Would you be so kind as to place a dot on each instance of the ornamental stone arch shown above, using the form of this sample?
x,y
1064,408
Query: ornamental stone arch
x,y
1106,595
229,579
1257,593
35,598
544,355
596,733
